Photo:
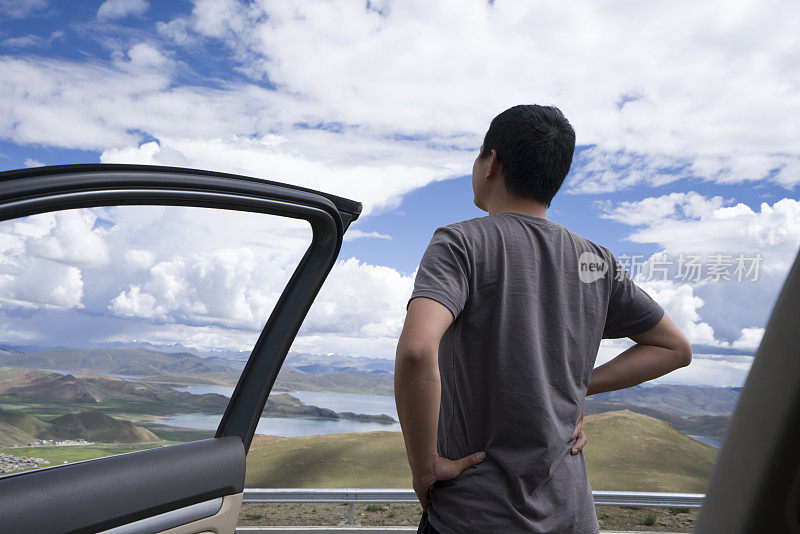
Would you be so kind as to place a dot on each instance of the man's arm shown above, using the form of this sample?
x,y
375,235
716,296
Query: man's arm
x,y
660,350
417,391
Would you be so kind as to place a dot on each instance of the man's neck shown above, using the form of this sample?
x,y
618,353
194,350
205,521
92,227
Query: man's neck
x,y
525,206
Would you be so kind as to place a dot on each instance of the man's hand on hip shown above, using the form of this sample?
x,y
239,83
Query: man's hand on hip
x,y
578,436
443,469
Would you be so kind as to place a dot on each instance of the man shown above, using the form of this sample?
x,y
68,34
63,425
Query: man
x,y
499,343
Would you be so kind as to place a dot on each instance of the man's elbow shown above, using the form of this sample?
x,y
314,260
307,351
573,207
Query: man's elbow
x,y
683,353
414,355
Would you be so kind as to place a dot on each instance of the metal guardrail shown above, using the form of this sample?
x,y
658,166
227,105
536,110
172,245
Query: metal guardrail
x,y
352,496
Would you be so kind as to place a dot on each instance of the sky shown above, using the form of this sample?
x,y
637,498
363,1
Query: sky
x,y
685,117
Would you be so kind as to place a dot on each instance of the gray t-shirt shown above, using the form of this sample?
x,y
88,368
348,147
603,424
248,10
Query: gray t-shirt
x,y
531,302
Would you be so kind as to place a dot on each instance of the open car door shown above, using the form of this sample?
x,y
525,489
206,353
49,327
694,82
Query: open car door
x,y
755,485
191,487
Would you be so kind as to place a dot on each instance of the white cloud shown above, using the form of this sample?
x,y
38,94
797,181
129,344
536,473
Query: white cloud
x,y
42,283
316,159
140,259
371,109
70,237
355,233
117,9
681,304
652,95
690,223
23,41
42,258
749,340
201,338
21,8
686,225
30,162
145,55
360,300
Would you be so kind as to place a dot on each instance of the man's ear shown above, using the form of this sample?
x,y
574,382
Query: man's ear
x,y
494,168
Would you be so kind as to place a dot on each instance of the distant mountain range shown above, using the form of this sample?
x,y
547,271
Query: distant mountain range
x,y
132,362
51,391
692,409
98,389
677,400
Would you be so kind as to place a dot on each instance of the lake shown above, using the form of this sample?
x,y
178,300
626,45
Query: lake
x,y
300,426
338,402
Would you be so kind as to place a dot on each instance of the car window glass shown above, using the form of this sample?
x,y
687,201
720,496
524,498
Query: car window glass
x,y
125,327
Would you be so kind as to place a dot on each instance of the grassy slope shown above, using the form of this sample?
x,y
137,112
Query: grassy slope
x,y
627,451
9,435
68,454
357,459
630,451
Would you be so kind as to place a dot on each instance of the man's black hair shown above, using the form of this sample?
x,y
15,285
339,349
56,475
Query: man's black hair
x,y
534,144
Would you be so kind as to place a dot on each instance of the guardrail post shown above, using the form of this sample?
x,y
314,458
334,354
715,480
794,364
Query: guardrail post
x,y
351,513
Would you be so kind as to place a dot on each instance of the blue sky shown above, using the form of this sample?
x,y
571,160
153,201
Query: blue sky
x,y
684,118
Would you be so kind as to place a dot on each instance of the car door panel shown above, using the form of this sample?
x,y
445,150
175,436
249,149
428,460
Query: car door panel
x,y
101,494
755,484
191,487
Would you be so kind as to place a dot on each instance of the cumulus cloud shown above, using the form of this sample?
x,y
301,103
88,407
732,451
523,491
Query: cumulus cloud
x,y
117,9
42,258
693,223
661,100
734,296
346,112
145,55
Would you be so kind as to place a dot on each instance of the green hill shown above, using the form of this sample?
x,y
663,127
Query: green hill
x,y
30,425
704,425
19,428
626,451
352,460
11,435
99,427
635,452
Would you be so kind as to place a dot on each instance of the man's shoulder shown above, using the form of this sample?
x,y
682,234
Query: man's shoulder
x,y
477,227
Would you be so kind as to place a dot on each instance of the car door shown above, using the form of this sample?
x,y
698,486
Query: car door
x,y
191,487
755,485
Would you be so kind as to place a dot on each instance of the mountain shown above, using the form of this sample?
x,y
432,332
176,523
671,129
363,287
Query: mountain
x,y
132,362
11,435
636,452
95,389
626,451
704,425
99,427
676,399
360,382
20,428
318,364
